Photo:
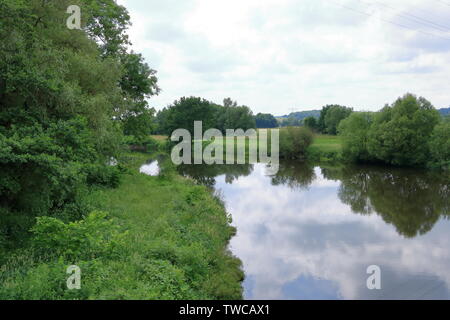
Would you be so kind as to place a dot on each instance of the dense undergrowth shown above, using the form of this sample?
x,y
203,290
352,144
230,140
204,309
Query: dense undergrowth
x,y
149,238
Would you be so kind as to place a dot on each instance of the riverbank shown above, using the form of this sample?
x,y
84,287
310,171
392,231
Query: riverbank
x,y
164,238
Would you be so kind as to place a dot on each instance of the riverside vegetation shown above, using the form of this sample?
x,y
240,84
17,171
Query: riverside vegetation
x,y
71,100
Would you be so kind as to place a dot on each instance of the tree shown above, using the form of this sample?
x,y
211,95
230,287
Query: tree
x,y
440,145
227,102
354,131
184,112
321,122
63,94
334,115
233,116
107,23
311,122
266,120
138,83
400,133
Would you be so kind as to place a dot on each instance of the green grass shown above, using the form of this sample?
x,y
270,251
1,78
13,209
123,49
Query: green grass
x,y
327,143
173,245
325,148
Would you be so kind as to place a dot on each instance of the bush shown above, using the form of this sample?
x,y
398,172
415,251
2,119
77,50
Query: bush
x,y
152,145
85,239
147,144
102,175
294,142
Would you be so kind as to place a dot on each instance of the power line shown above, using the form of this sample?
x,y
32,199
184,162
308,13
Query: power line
x,y
443,2
388,21
429,14
413,17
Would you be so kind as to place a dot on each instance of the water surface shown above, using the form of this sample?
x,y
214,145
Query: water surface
x,y
311,232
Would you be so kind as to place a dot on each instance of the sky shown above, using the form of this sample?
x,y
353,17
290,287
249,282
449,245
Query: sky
x,y
280,56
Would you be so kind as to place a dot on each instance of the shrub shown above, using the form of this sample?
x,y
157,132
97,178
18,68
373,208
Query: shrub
x,y
152,145
108,176
147,144
85,239
294,142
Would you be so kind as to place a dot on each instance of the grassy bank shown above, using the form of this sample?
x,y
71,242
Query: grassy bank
x,y
325,148
163,238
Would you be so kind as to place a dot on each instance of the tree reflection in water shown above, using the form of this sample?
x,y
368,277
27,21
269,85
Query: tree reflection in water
x,y
412,200
207,174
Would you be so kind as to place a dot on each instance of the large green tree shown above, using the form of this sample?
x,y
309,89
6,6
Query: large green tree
x,y
184,112
266,120
334,116
65,96
401,132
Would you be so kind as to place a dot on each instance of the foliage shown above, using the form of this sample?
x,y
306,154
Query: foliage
x,y
80,240
354,132
403,134
440,145
108,176
294,142
175,246
232,116
183,112
138,84
311,123
334,115
331,116
266,120
400,133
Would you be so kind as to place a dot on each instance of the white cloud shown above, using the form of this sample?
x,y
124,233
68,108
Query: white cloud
x,y
285,236
275,55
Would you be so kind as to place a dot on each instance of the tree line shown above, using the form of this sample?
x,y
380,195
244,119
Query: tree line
x,y
184,111
409,132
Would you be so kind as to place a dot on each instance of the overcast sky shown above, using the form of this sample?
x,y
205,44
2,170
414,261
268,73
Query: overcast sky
x,y
282,55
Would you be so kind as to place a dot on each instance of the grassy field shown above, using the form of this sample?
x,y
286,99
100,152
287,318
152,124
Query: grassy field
x,y
327,143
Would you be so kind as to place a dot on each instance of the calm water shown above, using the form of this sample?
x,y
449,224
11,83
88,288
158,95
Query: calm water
x,y
311,232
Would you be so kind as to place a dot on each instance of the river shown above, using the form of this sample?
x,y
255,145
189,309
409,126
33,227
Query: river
x,y
311,232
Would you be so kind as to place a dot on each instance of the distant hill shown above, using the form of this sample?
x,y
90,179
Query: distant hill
x,y
316,113
302,115
445,111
